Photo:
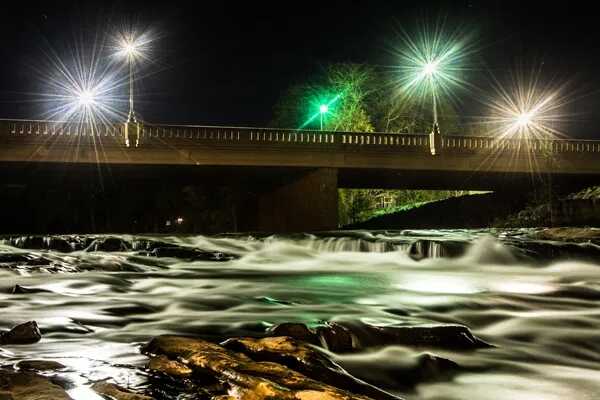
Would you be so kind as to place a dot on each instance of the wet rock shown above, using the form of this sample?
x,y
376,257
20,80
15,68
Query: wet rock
x,y
430,367
29,386
422,249
55,243
305,359
453,337
26,333
570,234
243,378
109,244
170,367
111,391
189,254
294,330
336,338
552,251
18,289
348,337
39,365
395,368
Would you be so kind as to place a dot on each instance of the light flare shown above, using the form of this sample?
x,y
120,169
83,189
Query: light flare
x,y
527,109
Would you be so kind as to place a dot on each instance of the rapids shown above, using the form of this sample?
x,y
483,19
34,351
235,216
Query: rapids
x,y
536,302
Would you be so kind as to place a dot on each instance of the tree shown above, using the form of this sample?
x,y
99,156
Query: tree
x,y
359,100
344,88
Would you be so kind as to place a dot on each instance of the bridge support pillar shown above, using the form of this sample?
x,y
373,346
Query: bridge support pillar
x,y
309,203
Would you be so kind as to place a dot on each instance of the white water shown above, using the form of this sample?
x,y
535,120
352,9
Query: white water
x,y
543,317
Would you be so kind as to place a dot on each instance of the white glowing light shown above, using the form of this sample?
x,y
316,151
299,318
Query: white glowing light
x,y
130,48
133,45
430,68
524,119
86,98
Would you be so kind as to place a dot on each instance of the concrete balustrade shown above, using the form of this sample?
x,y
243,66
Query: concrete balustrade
x,y
157,134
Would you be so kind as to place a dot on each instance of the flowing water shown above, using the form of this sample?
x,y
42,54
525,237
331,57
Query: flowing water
x,y
541,313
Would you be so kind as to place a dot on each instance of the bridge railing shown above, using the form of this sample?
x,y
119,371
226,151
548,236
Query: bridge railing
x,y
58,128
188,135
281,136
516,145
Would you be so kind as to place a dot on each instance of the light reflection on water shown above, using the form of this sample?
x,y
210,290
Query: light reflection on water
x,y
543,318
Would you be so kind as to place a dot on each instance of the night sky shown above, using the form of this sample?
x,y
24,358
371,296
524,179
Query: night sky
x,y
227,63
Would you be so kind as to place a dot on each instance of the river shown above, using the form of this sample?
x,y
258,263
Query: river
x,y
540,313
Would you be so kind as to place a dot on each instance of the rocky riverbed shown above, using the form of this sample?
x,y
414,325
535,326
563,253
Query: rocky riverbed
x,y
360,315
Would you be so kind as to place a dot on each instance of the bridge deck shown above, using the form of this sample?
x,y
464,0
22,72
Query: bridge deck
x,y
372,153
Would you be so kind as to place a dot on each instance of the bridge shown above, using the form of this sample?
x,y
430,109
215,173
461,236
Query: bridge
x,y
295,169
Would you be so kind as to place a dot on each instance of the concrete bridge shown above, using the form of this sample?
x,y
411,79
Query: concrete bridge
x,y
295,169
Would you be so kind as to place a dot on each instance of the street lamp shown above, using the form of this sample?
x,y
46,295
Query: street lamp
x,y
431,65
430,71
130,49
323,109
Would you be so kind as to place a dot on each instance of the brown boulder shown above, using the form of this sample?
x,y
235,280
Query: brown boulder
x,y
305,359
114,392
29,386
244,378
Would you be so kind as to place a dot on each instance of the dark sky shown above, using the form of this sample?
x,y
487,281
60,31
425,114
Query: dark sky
x,y
227,62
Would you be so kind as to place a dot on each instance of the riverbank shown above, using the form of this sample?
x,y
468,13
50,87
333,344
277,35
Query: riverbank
x,y
468,211
485,210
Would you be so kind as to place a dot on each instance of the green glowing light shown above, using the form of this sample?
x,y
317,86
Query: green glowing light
x,y
324,107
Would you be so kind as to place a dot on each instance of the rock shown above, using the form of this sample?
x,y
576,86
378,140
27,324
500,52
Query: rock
x,y
336,338
109,244
39,365
398,369
348,337
430,367
244,378
570,234
303,358
170,367
55,243
29,386
189,254
26,333
18,289
554,250
452,337
296,331
422,249
114,392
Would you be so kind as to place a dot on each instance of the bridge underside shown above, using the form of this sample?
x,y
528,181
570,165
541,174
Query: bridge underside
x,y
63,197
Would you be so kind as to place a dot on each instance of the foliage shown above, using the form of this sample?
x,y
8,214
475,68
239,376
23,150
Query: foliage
x,y
360,100
343,87
357,205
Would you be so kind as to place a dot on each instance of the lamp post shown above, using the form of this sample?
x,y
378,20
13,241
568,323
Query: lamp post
x,y
130,49
323,109
429,72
